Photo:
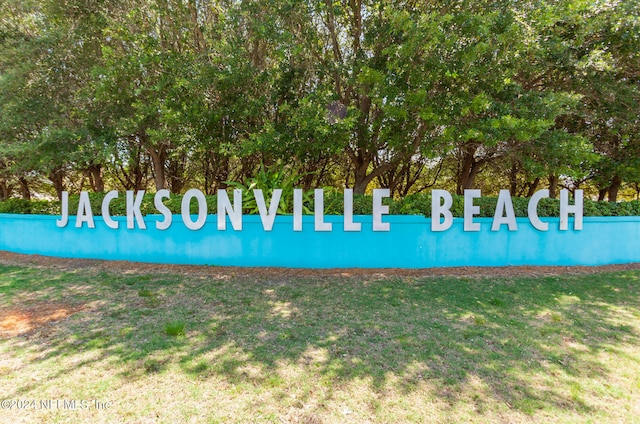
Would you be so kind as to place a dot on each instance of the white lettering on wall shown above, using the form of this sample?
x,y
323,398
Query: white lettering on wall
x,y
439,209
106,216
379,209
133,209
576,209
504,213
64,210
532,210
318,211
160,207
441,204
84,211
185,208
297,209
268,217
471,210
349,225
234,212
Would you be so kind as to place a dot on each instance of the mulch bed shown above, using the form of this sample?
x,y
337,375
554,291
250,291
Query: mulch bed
x,y
8,258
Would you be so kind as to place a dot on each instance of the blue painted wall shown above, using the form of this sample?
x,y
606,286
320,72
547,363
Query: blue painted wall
x,y
409,244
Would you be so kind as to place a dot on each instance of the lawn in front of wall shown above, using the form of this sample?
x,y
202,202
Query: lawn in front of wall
x,y
181,348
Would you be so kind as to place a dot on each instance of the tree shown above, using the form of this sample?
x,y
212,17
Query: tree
x,y
148,82
591,49
170,93
46,62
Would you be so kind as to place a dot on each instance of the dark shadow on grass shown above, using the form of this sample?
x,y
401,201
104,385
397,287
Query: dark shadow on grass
x,y
445,331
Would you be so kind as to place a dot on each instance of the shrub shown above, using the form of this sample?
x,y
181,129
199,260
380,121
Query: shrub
x,y
15,206
414,204
118,206
23,206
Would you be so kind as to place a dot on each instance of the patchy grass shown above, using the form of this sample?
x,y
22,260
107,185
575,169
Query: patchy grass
x,y
536,349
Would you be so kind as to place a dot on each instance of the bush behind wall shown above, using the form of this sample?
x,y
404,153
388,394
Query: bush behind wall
x,y
415,204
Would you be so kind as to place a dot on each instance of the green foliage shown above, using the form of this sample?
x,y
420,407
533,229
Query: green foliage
x,y
631,208
415,204
334,202
267,181
362,203
23,206
338,93
118,206
421,204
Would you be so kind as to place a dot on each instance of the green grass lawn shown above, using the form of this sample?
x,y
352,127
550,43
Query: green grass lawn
x,y
179,348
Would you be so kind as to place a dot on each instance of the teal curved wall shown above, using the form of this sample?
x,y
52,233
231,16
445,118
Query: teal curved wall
x,y
410,243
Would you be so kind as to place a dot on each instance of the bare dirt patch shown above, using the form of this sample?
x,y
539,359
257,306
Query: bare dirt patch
x,y
19,321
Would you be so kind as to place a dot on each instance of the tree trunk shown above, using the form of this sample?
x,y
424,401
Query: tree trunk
x,y
24,189
361,162
159,159
216,172
57,178
5,190
198,37
533,187
133,171
614,188
94,172
513,179
175,173
553,186
469,170
362,180
602,194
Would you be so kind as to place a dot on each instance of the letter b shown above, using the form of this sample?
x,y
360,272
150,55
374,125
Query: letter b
x,y
439,209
